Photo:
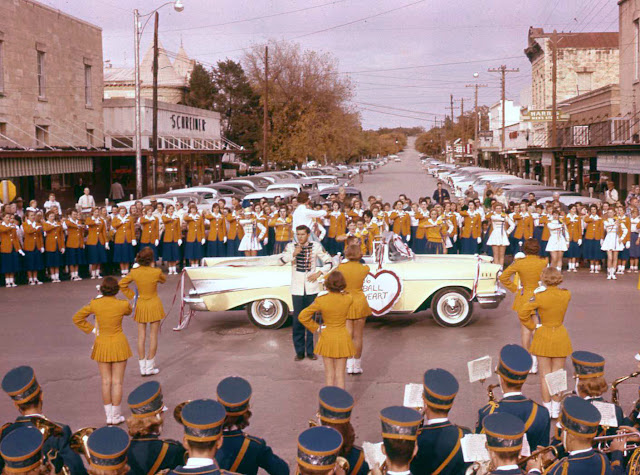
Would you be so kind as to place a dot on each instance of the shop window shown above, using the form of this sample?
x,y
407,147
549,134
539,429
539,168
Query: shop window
x,y
584,82
41,76
3,129
122,142
42,136
90,137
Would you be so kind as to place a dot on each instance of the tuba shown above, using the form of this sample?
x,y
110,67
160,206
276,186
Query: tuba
x,y
633,465
177,412
615,397
46,427
78,442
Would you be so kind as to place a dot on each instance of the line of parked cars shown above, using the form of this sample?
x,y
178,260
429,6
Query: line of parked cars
x,y
460,177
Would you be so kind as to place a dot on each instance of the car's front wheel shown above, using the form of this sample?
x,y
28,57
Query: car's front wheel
x,y
268,313
452,308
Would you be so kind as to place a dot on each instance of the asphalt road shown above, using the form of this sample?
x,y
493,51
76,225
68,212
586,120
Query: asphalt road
x,y
37,330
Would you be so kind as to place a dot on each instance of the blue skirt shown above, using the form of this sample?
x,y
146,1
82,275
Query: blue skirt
x,y
96,253
537,233
543,247
153,248
420,245
514,246
280,245
216,249
434,248
32,260
232,247
123,253
193,251
591,249
412,244
170,252
573,251
331,246
624,254
9,262
74,256
53,259
468,245
634,251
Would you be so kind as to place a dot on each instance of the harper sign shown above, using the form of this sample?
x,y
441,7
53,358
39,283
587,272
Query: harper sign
x,y
382,289
545,115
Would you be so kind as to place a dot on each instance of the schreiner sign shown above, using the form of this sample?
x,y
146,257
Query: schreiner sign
x,y
545,115
382,289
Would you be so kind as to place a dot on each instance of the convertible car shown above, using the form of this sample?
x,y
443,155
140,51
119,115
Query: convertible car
x,y
399,282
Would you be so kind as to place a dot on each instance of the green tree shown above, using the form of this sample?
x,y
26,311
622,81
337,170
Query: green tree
x,y
201,89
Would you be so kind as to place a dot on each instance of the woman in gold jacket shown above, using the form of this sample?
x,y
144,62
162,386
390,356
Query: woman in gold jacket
x,y
96,243
217,237
551,343
171,239
283,232
337,227
32,246
110,349
528,270
53,245
149,307
354,274
334,344
9,250
75,243
124,239
150,233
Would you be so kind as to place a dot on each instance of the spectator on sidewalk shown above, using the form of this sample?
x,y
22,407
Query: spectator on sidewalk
x,y
86,201
117,192
440,195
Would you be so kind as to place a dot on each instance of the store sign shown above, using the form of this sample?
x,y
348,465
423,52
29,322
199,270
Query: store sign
x,y
186,122
547,159
545,115
619,162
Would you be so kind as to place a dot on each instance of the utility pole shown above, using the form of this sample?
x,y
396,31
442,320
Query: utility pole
x,y
265,116
477,117
154,133
452,116
138,120
462,122
554,87
503,71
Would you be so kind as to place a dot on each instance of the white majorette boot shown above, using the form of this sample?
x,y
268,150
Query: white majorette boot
x,y
116,417
592,269
608,273
108,408
349,365
357,366
151,367
555,409
534,366
143,367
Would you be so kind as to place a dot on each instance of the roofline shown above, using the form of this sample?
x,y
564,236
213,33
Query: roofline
x,y
28,154
60,12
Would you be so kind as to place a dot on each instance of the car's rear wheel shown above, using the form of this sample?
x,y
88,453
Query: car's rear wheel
x,y
452,308
270,314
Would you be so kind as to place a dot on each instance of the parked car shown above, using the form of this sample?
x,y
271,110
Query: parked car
x,y
569,200
270,196
145,201
518,193
224,190
244,186
259,181
324,195
203,200
404,283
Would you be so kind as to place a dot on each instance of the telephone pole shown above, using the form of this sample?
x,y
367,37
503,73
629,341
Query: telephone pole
x,y
265,114
452,119
476,86
554,89
503,71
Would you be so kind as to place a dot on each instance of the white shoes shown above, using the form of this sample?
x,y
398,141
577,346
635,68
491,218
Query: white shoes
x,y
147,367
108,408
357,366
534,366
349,365
116,417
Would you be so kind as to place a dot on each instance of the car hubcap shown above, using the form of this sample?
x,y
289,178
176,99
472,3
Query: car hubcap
x,y
266,311
453,308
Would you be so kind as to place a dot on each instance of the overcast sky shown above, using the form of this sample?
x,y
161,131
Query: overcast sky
x,y
400,60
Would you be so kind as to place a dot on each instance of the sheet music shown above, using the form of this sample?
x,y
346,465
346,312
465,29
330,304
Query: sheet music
x,y
479,369
373,454
526,448
413,396
474,448
556,381
607,413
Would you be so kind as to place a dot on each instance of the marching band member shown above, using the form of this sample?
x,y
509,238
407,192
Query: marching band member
x,y
373,230
513,368
233,231
254,234
593,235
22,452
282,226
337,227
505,436
614,233
335,409
354,274
579,421
523,227
623,256
551,343
108,448
53,245
501,227
203,420
401,223
240,452
546,234
471,229
634,249
334,344
33,251
149,309
124,240
573,222
111,348
558,243
22,387
439,448
399,437
150,232
96,250
529,269
147,452
195,236
217,237
75,243
171,239
325,440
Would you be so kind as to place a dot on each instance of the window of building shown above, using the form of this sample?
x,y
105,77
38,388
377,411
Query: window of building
x,y
122,142
584,82
1,66
90,137
636,49
87,85
42,135
3,128
41,75
581,135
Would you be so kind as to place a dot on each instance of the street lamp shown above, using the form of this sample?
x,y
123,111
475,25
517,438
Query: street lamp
x,y
178,6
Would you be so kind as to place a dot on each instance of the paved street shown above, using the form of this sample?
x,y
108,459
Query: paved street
x,y
37,330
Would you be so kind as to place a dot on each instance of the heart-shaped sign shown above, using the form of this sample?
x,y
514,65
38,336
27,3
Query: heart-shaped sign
x,y
383,289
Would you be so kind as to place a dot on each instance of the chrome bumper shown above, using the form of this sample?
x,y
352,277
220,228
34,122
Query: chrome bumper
x,y
196,304
491,300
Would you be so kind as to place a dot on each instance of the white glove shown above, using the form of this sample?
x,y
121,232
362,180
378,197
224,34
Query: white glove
x,y
266,241
106,246
157,242
94,331
135,266
42,250
21,252
134,242
225,240
408,238
203,241
628,244
179,242
520,243
62,250
579,242
601,241
455,238
479,240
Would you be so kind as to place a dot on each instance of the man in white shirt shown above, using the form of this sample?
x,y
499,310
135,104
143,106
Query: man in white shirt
x,y
52,202
86,201
305,216
611,194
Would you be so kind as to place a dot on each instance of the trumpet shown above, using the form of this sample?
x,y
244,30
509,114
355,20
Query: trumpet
x,y
177,412
614,386
490,389
605,438
536,453
78,442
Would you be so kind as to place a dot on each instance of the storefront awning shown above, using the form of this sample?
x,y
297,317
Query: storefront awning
x,y
619,162
15,167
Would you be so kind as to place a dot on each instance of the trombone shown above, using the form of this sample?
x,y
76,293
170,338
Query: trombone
x,y
614,386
